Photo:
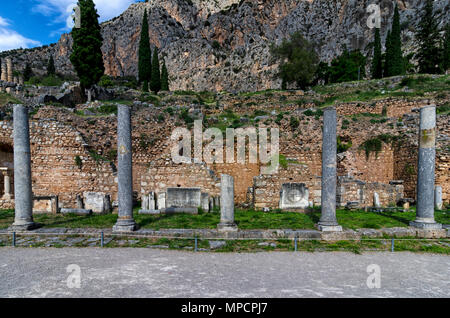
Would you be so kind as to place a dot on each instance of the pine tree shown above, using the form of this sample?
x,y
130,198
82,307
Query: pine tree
x,y
87,57
388,56
51,66
377,63
145,53
445,60
397,66
27,72
155,81
164,77
428,54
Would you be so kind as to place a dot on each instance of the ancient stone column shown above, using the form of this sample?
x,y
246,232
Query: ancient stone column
x,y
4,75
227,204
328,221
7,186
125,221
9,67
22,171
376,200
438,203
426,166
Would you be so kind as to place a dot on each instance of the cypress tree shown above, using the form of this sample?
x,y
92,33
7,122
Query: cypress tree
x,y
155,81
446,50
27,72
145,53
87,57
51,66
164,77
388,56
397,65
377,63
428,54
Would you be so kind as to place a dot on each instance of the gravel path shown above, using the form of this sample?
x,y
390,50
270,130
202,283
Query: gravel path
x,y
129,272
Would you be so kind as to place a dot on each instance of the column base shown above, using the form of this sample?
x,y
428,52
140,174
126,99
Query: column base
x,y
125,225
425,225
25,226
329,228
227,227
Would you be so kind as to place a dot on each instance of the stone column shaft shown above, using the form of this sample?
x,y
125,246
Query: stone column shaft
x,y
227,204
9,67
22,171
328,221
426,169
4,75
125,221
7,185
438,203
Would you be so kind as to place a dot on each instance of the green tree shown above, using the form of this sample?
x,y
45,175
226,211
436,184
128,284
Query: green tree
x,y
164,77
397,64
377,62
347,67
388,56
51,66
27,72
145,53
445,64
87,57
299,60
155,82
428,54
323,73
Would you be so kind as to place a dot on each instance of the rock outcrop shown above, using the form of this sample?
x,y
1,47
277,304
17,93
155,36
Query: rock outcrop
x,y
225,45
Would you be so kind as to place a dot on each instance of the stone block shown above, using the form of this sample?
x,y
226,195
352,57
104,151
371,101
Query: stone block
x,y
98,202
205,202
183,198
294,196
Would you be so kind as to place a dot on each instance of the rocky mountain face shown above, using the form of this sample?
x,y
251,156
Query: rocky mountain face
x,y
218,45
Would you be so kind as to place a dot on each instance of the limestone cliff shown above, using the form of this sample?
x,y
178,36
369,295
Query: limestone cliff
x,y
188,32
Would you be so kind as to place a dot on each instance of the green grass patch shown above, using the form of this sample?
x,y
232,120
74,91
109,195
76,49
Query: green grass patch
x,y
246,220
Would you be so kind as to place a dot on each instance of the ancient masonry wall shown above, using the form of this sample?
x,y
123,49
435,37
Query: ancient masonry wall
x,y
159,177
54,147
393,108
266,190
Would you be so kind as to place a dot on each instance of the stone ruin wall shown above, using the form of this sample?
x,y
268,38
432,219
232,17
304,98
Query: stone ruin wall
x,y
159,177
55,145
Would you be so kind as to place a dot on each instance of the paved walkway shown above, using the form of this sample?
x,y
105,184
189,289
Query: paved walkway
x,y
129,272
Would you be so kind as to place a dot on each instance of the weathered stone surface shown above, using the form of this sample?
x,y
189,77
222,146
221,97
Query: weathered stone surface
x,y
183,198
98,202
294,196
23,216
227,223
426,170
328,221
125,221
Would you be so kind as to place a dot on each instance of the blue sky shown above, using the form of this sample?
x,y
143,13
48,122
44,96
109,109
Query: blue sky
x,y
30,23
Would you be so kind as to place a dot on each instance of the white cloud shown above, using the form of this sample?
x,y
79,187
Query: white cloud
x,y
107,9
10,39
